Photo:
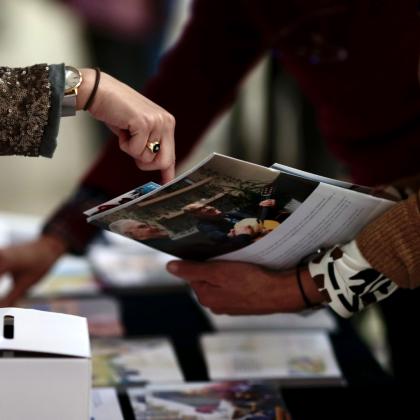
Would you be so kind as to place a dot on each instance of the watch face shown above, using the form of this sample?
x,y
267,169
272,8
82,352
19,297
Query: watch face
x,y
72,78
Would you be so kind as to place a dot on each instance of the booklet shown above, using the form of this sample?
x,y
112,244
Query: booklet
x,y
134,361
293,358
229,209
209,401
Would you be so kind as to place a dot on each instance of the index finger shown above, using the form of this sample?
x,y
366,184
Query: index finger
x,y
168,174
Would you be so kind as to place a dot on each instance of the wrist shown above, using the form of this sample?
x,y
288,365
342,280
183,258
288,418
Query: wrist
x,y
85,88
310,295
55,245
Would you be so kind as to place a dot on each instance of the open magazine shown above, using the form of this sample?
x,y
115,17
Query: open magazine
x,y
229,209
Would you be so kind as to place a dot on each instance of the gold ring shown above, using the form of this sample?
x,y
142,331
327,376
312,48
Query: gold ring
x,y
153,146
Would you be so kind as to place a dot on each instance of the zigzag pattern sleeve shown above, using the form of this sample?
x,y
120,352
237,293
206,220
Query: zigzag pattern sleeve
x,y
348,280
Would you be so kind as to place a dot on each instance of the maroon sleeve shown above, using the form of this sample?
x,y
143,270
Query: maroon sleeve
x,y
196,81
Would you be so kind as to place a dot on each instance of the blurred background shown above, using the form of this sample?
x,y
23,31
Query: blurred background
x,y
126,41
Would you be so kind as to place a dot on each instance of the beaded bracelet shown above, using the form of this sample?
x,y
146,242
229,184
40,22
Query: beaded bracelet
x,y
95,88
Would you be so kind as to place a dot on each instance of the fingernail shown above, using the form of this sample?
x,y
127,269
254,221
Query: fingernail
x,y
172,267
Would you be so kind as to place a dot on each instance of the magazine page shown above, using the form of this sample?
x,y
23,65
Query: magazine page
x,y
293,358
229,209
219,207
330,215
319,178
123,199
209,401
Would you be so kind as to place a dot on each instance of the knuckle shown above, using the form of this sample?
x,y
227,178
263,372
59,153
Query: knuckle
x,y
146,121
170,120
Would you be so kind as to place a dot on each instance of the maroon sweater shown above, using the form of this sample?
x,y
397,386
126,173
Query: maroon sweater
x,y
357,61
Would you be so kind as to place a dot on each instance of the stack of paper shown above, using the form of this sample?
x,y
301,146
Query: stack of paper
x,y
125,362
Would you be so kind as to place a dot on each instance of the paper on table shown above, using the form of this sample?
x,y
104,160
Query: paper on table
x,y
291,357
105,405
320,320
134,361
240,400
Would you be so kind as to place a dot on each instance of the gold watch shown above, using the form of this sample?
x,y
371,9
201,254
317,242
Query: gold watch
x,y
73,79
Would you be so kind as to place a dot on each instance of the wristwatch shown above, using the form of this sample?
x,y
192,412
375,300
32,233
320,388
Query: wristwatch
x,y
73,79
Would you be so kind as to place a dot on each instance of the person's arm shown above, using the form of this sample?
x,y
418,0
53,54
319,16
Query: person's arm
x,y
197,79
31,108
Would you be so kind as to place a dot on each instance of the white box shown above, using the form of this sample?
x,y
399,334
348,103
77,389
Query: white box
x,y
45,366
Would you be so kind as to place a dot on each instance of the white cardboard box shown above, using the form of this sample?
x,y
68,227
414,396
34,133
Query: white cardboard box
x,y
45,366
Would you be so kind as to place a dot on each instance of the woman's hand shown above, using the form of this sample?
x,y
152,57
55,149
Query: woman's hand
x,y
134,119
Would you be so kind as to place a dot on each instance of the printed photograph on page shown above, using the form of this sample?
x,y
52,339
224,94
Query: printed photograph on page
x,y
222,206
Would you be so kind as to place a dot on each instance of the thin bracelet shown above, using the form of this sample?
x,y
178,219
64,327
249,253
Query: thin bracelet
x,y
95,88
306,301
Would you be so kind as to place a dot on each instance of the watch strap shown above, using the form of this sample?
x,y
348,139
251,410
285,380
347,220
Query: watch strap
x,y
68,105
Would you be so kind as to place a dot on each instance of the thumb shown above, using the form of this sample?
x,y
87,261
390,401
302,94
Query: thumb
x,y
191,270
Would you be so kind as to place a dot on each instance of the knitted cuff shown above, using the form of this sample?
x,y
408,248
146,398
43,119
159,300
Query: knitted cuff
x,y
391,243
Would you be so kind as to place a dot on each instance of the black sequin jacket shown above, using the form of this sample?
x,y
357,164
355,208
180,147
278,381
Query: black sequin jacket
x,y
30,104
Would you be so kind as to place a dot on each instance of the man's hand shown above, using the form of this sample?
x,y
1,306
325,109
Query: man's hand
x,y
237,288
27,264
134,119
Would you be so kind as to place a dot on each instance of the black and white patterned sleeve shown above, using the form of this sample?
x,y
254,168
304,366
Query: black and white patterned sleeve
x,y
347,279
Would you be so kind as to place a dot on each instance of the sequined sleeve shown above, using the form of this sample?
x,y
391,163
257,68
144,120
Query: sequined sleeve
x,y
30,109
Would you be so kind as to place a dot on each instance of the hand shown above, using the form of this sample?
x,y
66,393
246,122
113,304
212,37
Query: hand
x,y
237,288
28,263
135,119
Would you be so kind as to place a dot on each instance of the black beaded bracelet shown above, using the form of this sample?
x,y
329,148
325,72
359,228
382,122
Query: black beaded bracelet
x,y
95,88
306,301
